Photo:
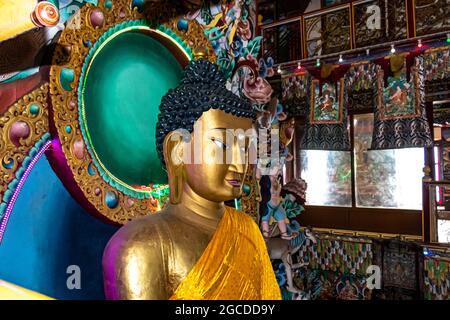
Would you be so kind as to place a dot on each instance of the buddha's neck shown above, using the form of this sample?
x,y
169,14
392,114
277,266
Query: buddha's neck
x,y
199,210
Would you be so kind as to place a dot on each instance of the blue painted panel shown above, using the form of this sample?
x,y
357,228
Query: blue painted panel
x,y
47,232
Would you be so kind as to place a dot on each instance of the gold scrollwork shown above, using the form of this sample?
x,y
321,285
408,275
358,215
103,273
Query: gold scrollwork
x,y
250,199
21,126
73,46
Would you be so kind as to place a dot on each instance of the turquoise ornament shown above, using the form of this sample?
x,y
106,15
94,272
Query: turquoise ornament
x,y
182,24
34,109
8,165
111,200
246,189
66,77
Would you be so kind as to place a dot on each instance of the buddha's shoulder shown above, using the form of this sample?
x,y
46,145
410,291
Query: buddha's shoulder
x,y
143,234
243,217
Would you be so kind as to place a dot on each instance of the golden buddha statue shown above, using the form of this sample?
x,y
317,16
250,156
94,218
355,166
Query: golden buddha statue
x,y
196,247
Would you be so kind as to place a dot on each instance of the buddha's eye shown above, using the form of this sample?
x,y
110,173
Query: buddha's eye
x,y
219,143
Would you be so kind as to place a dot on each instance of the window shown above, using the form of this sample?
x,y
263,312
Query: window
x,y
328,174
443,231
390,179
387,178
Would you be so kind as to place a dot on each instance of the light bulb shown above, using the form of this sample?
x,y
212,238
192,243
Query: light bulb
x,y
393,50
279,70
299,66
318,63
341,59
419,44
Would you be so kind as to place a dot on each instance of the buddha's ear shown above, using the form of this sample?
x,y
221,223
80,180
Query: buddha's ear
x,y
173,149
173,157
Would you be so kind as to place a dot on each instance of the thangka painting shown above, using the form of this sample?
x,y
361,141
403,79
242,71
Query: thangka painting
x,y
400,117
431,16
295,94
360,87
361,77
378,21
437,64
328,32
326,103
400,99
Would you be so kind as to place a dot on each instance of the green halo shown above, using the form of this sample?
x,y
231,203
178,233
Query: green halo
x,y
124,76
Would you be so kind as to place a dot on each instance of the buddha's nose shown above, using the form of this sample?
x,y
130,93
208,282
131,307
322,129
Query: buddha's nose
x,y
239,158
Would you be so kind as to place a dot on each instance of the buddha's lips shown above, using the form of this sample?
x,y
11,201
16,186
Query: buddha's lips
x,y
235,182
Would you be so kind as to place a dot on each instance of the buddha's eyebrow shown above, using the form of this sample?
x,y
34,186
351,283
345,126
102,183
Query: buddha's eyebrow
x,y
222,129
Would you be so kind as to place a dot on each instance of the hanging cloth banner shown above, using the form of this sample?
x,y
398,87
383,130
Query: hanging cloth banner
x,y
326,126
400,116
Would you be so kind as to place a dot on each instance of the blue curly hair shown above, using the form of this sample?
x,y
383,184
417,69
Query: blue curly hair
x,y
202,88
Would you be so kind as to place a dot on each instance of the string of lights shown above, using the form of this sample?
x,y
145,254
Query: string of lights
x,y
369,53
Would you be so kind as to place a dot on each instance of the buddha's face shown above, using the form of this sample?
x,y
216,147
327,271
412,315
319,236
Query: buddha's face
x,y
224,145
224,142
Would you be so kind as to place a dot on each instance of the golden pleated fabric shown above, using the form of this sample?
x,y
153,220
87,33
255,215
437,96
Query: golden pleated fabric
x,y
234,266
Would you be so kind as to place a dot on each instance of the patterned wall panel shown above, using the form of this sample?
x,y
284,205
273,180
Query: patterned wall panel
x,y
431,16
378,21
283,42
328,32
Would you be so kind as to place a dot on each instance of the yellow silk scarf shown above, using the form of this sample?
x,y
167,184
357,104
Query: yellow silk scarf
x,y
234,266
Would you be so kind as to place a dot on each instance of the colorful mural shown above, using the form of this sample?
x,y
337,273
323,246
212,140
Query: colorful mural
x,y
327,268
230,27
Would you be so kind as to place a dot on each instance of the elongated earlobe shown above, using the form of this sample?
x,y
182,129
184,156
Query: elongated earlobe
x,y
175,167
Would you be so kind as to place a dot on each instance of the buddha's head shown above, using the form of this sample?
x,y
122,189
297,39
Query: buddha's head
x,y
203,135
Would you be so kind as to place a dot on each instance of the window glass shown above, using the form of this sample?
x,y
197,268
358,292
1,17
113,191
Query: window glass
x,y
443,231
328,175
386,178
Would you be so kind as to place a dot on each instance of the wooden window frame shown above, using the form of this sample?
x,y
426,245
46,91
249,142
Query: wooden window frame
x,y
401,222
